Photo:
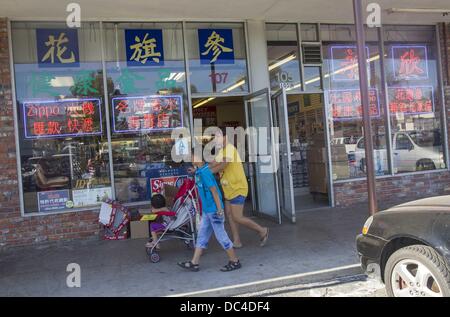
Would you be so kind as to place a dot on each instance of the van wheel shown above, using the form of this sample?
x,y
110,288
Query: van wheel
x,y
425,165
417,271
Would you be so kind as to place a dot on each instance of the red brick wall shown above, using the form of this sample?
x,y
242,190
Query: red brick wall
x,y
14,229
394,189
406,188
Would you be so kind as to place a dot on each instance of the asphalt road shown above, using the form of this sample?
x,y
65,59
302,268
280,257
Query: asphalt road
x,y
349,286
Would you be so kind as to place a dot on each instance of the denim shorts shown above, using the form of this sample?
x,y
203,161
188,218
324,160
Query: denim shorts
x,y
210,223
238,200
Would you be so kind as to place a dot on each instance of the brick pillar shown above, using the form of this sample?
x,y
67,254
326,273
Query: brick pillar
x,y
9,192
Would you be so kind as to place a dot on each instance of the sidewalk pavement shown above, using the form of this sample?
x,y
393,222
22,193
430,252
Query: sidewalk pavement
x,y
320,241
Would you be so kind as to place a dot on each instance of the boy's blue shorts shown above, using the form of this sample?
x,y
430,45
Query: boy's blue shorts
x,y
211,222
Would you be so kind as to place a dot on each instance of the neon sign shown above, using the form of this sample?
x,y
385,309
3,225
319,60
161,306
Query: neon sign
x,y
411,100
64,118
410,62
346,104
147,113
344,63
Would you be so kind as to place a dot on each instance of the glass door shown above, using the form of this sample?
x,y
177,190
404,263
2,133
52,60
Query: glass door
x,y
284,172
261,155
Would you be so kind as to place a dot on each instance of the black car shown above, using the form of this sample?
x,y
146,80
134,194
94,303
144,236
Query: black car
x,y
408,247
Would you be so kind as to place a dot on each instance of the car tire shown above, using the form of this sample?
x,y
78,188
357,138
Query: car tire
x,y
407,257
425,165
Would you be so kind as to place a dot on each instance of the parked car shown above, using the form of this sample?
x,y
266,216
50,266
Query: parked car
x,y
407,154
408,247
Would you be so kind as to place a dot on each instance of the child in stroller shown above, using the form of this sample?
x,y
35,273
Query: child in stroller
x,y
159,225
176,223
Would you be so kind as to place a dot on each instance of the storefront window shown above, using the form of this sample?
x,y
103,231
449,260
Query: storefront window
x,y
61,116
147,100
283,57
217,58
342,95
414,104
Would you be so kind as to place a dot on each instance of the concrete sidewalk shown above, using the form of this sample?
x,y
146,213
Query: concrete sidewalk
x,y
320,241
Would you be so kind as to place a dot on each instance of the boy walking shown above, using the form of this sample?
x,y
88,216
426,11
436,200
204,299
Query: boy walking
x,y
212,219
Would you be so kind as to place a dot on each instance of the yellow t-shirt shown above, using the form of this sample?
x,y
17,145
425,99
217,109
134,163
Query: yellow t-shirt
x,y
232,178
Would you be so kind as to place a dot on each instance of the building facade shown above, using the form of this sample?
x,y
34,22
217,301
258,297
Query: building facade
x,y
87,113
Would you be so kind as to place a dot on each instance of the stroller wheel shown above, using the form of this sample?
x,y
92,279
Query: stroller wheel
x,y
154,257
189,244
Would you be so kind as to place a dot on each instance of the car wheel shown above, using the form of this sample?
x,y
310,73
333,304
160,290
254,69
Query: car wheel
x,y
425,165
417,271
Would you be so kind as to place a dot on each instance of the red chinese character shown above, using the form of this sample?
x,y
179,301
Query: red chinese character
x,y
400,94
347,97
409,64
133,122
88,125
349,65
53,127
122,106
393,106
149,121
39,128
88,108
409,94
73,125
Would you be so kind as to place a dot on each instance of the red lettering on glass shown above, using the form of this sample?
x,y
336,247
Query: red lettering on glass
x,y
409,64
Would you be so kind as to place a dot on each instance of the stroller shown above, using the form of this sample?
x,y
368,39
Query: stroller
x,y
183,224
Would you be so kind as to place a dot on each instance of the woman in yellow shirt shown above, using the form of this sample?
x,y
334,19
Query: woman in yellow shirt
x,y
235,188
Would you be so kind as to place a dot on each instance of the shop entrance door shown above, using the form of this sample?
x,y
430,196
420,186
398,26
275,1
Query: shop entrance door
x,y
284,172
261,155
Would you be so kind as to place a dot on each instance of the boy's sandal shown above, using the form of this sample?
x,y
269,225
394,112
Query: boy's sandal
x,y
231,266
188,265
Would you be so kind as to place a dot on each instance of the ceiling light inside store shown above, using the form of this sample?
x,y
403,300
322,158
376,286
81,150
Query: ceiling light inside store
x,y
201,103
62,81
281,62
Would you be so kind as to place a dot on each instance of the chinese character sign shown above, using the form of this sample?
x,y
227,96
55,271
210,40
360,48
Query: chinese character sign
x,y
147,113
57,48
216,46
344,63
410,62
144,47
411,100
346,104
50,119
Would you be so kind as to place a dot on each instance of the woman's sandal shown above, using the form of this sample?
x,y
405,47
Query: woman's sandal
x,y
231,266
188,265
264,239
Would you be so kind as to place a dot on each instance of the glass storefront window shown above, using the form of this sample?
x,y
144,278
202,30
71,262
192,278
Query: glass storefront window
x,y
147,100
313,78
283,57
217,58
61,116
341,81
413,93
